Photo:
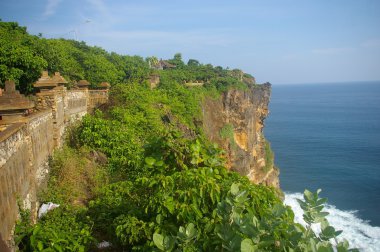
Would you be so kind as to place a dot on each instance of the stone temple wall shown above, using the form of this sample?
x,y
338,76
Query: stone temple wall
x,y
14,174
26,144
97,98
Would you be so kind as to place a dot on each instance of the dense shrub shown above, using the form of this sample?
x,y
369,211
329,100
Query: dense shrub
x,y
184,182
62,229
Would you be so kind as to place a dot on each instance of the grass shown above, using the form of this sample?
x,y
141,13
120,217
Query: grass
x,y
227,132
74,177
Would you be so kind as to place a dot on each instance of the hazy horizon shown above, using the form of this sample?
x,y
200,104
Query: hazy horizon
x,y
285,42
330,82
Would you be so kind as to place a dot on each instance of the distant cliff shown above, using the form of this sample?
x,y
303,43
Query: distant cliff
x,y
235,122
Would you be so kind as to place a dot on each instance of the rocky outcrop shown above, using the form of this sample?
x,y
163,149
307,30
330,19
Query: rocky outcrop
x,y
235,121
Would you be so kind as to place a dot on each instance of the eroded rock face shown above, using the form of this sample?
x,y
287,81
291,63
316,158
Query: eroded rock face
x,y
235,122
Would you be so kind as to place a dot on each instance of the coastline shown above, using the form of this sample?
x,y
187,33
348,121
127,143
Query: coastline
x,y
360,233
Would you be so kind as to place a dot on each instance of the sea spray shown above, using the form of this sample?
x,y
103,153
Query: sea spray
x,y
358,232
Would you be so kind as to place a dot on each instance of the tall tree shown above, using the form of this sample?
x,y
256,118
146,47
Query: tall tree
x,y
18,59
177,60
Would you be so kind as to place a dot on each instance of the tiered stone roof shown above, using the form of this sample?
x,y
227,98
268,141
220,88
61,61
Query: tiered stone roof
x,y
11,99
45,81
59,79
83,83
104,85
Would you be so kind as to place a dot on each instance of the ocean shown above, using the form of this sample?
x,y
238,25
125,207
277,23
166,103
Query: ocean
x,y
328,136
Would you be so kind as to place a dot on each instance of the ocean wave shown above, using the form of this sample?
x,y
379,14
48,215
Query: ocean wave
x,y
358,232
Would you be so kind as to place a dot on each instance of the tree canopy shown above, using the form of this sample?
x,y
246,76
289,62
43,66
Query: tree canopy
x,y
24,56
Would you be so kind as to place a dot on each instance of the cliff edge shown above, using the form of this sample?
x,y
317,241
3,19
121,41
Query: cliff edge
x,y
235,122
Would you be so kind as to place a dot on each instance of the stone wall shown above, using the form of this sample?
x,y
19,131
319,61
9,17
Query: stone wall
x,y
25,147
41,130
14,174
97,98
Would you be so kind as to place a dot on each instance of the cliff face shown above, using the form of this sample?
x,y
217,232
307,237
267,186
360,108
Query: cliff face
x,y
235,122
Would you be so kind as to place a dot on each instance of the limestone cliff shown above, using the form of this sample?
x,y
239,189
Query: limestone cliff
x,y
235,121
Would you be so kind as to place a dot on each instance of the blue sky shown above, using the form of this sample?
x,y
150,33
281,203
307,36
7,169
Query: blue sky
x,y
283,41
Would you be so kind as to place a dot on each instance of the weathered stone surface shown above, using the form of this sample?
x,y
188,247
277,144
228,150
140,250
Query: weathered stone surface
x,y
59,79
26,146
194,84
104,85
13,105
245,111
83,84
154,80
14,174
45,82
96,98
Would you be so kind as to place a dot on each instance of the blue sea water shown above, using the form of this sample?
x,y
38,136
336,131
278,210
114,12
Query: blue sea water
x,y
328,136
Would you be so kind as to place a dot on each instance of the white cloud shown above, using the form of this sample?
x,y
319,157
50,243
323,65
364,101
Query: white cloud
x,y
51,7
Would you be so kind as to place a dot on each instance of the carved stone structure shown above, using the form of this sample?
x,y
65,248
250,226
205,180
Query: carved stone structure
x,y
154,80
27,143
59,79
194,84
13,105
45,82
162,64
83,84
104,85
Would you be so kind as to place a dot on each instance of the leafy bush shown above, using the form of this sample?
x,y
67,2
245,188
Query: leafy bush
x,y
269,157
184,184
137,117
62,229
240,229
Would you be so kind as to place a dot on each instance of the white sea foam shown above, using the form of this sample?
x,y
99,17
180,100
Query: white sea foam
x,y
358,232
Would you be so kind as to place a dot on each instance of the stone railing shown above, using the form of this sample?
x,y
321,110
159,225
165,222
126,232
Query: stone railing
x,y
29,133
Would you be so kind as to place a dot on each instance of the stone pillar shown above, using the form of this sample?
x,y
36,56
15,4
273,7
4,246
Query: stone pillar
x,y
52,96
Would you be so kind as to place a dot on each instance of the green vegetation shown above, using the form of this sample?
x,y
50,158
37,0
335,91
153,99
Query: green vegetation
x,y
269,157
64,229
74,177
18,60
241,230
140,173
23,57
227,132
